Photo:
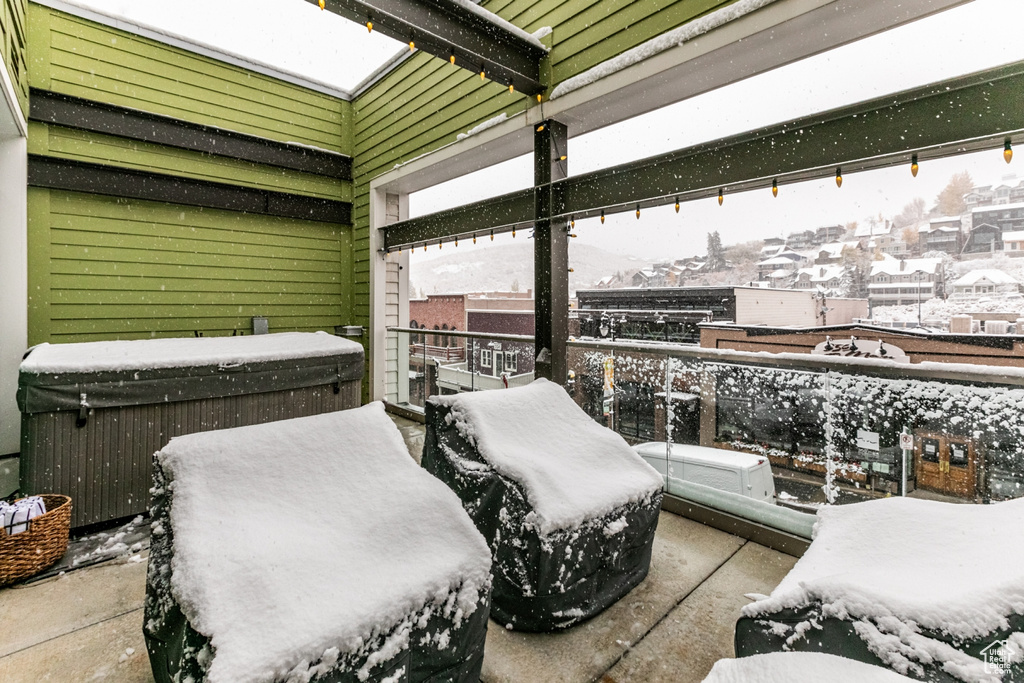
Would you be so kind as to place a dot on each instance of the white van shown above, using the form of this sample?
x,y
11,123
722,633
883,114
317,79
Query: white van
x,y
742,473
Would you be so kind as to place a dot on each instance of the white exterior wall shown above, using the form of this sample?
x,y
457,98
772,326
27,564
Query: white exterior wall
x,y
13,276
843,311
775,307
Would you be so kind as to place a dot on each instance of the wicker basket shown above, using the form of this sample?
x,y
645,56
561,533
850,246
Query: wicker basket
x,y
46,540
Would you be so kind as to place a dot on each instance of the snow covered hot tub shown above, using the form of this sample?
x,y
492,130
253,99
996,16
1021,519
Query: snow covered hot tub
x,y
94,413
312,549
932,590
568,508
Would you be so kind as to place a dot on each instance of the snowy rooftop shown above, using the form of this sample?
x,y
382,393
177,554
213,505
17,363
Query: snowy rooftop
x,y
997,207
822,273
909,266
994,276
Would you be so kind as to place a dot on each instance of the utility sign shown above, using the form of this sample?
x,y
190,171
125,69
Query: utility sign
x,y
867,440
609,375
907,442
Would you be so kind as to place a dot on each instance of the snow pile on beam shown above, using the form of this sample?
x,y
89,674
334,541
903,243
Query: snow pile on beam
x,y
665,41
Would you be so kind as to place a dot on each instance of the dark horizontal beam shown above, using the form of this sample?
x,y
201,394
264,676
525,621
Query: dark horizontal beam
x,y
443,28
480,218
78,176
109,119
972,113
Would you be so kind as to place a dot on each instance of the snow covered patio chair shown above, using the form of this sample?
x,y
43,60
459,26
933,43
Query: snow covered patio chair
x,y
311,549
568,508
932,590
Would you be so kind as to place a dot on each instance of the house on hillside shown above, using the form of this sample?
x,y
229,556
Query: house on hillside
x,y
941,234
984,239
1013,243
985,281
1006,216
820,278
897,282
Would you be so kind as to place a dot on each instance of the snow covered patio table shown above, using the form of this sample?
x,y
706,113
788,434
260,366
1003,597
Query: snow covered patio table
x,y
311,549
568,508
94,413
932,590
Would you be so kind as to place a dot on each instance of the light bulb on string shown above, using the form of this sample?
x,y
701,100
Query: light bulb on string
x,y
913,166
369,26
483,74
474,238
451,58
1008,152
399,249
540,128
540,98
721,197
513,233
775,187
322,4
492,235
839,177
677,204
424,246
511,88
440,244
456,241
571,270
412,45
602,216
572,221
638,212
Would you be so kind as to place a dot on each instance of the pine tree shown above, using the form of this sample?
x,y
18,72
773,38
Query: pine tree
x,y
716,253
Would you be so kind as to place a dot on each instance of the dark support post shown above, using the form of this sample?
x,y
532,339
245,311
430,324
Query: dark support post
x,y
550,255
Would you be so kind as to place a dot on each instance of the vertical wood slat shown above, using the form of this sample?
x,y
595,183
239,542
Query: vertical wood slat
x,y
106,466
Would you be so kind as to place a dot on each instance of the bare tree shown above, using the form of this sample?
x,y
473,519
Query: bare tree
x,y
950,201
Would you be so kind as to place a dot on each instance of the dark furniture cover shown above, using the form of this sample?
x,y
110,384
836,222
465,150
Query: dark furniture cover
x,y
443,642
541,582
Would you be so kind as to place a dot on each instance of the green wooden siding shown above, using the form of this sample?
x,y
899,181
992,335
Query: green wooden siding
x,y
426,102
78,57
68,143
107,268
12,47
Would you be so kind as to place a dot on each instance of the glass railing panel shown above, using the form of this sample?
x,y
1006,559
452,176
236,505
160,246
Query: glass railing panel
x,y
834,431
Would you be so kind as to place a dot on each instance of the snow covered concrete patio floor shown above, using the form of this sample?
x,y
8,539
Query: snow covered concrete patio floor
x,y
87,624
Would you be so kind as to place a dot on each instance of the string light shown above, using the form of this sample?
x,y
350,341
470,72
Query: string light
x,y
513,233
913,166
492,235
573,235
474,238
511,88
540,128
677,204
424,246
562,158
483,74
1008,151
839,177
399,249
638,212
571,270
440,244
369,26
572,222
451,58
602,216
322,4
775,187
456,241
721,197
540,98
412,45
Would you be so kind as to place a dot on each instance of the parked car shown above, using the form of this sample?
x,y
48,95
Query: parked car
x,y
742,473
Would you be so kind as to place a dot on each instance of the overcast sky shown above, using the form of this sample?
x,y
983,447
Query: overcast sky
x,y
979,35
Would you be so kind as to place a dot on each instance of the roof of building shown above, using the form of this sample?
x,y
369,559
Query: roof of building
x,y
910,265
997,207
991,274
822,273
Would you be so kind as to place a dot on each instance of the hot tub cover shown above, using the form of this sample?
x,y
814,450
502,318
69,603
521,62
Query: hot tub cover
x,y
311,547
139,372
930,589
568,508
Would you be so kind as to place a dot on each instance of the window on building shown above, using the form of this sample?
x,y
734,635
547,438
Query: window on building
x,y
511,360
485,358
